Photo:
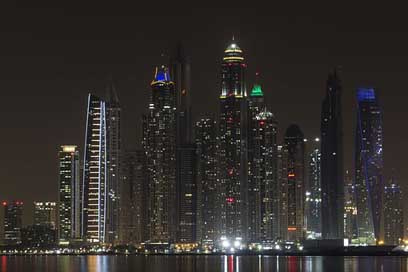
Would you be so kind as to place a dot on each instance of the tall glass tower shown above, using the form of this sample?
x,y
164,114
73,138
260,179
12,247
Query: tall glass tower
x,y
232,167
94,193
369,165
159,143
113,152
69,200
393,213
332,160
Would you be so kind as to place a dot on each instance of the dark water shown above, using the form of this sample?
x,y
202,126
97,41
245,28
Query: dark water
x,y
200,263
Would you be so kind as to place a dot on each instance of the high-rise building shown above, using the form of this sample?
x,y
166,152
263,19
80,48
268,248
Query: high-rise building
x,y
294,144
255,105
369,165
232,161
313,201
332,160
13,212
207,210
350,208
94,193
265,188
45,213
133,198
159,143
180,70
69,197
113,149
282,167
393,213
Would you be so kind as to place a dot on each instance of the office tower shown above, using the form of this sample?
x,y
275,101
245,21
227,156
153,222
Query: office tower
x,y
133,198
313,203
207,209
69,197
159,143
294,144
94,193
113,149
185,150
368,165
264,190
232,163
393,213
13,212
332,160
45,213
282,166
350,208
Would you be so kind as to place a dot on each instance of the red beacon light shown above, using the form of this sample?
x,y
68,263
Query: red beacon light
x,y
4,203
230,199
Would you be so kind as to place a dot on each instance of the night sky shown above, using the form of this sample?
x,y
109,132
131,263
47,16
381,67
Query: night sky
x,y
50,58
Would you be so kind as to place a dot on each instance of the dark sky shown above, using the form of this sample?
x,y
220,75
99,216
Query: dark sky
x,y
51,57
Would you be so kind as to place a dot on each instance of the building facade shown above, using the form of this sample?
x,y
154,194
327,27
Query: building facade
x,y
350,208
332,160
69,197
45,213
369,166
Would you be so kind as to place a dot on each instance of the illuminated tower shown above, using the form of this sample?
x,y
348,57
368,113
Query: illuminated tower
x,y
206,142
393,213
369,165
313,192
159,143
113,149
94,193
45,214
13,213
264,190
282,167
69,198
232,164
350,208
295,148
332,161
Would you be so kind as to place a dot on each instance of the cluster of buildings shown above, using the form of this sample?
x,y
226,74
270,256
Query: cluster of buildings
x,y
223,181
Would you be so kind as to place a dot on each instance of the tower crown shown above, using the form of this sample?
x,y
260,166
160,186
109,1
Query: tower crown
x,y
161,75
233,53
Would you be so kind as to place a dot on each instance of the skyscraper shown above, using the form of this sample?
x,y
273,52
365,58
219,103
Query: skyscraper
x,y
13,212
393,213
265,186
113,149
45,213
133,198
350,208
282,166
255,106
185,150
206,144
232,161
313,203
294,144
69,198
369,165
159,143
332,160
94,193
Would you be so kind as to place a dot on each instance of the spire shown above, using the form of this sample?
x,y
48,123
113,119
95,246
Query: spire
x,y
256,90
111,94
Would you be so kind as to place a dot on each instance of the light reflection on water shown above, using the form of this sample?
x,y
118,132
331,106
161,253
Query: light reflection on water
x,y
201,263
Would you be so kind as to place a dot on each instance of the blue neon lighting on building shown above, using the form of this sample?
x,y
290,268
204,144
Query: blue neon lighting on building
x,y
365,94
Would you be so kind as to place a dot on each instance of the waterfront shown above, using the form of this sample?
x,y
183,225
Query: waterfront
x,y
172,263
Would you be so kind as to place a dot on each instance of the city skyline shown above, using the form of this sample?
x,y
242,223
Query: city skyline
x,y
274,92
